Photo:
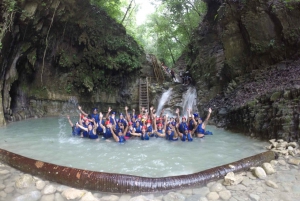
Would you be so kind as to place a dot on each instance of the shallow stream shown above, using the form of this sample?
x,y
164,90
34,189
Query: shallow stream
x,y
50,140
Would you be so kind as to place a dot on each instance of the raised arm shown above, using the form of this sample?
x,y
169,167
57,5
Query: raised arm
x,y
83,128
208,116
70,122
127,117
80,109
114,134
108,112
100,121
177,130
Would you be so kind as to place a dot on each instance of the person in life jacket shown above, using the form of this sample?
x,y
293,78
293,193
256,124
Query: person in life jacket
x,y
91,130
93,115
200,126
144,135
120,135
186,135
76,130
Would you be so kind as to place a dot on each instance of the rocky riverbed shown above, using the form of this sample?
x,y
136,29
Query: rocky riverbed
x,y
278,180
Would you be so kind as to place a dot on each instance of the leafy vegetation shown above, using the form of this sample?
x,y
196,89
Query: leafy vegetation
x,y
166,32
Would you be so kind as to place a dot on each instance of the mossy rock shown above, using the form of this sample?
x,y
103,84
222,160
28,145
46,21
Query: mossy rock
x,y
275,96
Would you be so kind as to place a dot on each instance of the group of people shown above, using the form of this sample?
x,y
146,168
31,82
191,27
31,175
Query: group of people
x,y
144,125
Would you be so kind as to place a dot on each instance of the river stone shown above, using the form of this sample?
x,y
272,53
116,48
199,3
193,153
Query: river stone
x,y
49,189
213,196
32,196
2,186
109,198
72,193
293,144
260,173
187,191
49,197
24,181
40,184
201,191
216,187
271,184
231,179
173,197
89,197
254,197
4,172
203,199
193,198
9,189
247,182
59,197
225,195
62,188
282,162
125,198
294,161
268,168
3,194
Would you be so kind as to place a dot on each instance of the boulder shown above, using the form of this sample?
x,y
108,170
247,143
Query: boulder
x,y
268,168
260,173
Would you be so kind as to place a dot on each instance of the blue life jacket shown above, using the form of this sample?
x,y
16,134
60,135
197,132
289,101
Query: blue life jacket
x,y
121,139
96,117
76,131
85,133
186,137
171,136
107,133
191,125
182,125
138,129
200,130
92,135
145,136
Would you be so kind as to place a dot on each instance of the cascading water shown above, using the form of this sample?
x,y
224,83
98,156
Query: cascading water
x,y
69,108
189,100
164,98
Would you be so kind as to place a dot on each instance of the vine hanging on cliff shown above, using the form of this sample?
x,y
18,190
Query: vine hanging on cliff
x,y
45,51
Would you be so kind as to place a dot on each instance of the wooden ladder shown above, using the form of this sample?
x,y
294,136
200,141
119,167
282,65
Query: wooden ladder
x,y
144,95
159,74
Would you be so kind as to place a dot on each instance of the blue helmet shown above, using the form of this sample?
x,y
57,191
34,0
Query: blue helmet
x,y
196,115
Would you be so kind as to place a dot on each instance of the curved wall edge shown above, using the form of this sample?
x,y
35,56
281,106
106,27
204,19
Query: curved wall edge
x,y
121,183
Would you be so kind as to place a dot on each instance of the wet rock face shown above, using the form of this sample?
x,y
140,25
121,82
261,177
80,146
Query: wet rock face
x,y
60,49
244,58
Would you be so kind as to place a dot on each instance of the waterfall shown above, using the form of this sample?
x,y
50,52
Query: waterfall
x,y
164,98
68,108
189,100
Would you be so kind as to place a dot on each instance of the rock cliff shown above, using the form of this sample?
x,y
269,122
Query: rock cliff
x,y
60,50
245,60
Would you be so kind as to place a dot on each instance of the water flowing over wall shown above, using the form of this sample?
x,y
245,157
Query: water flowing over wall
x,y
244,58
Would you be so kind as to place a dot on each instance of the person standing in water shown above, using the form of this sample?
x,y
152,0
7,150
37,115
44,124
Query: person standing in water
x,y
200,125
91,129
76,130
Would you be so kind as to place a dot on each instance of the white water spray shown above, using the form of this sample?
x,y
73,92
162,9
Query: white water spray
x,y
189,100
68,108
164,98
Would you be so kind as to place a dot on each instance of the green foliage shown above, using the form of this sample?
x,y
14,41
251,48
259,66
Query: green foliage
x,y
10,5
112,7
168,30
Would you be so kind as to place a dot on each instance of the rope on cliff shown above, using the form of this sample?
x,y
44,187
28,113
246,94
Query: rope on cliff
x,y
45,51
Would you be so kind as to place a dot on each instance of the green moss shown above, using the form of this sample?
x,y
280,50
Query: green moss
x,y
275,96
